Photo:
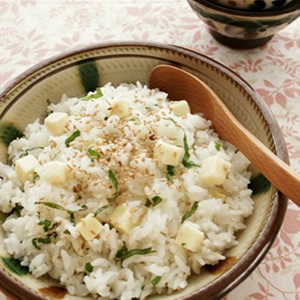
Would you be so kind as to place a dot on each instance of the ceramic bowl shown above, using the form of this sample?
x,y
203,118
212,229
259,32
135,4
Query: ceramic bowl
x,y
244,29
77,72
254,5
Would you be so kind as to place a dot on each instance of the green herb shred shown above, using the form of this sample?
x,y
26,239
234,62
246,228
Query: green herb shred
x,y
153,202
170,173
36,177
190,212
72,218
35,242
26,152
124,253
101,209
59,207
185,161
156,200
53,205
190,164
44,240
89,268
113,179
173,121
133,252
92,154
186,155
121,251
148,202
72,213
96,95
17,210
218,146
72,137
82,208
46,225
54,234
155,281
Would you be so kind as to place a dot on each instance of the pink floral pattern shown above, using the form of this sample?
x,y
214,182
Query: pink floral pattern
x,y
31,31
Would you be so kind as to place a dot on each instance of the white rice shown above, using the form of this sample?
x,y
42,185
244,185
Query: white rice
x,y
125,147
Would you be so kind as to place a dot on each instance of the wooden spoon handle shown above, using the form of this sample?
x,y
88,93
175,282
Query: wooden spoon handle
x,y
182,85
280,174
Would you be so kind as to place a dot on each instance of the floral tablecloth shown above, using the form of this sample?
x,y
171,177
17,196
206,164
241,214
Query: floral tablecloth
x,y
33,30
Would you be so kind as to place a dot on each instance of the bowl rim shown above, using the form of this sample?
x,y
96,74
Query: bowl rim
x,y
244,13
246,264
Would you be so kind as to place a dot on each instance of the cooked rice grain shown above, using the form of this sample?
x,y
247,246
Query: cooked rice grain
x,y
125,145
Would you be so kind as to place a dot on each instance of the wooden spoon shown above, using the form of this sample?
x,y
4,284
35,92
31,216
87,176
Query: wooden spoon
x,y
182,85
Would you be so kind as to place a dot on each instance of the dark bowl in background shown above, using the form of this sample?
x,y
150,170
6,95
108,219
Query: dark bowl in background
x,y
244,29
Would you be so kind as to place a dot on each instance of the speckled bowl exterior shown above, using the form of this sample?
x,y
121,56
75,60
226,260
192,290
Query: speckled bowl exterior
x,y
244,29
77,72
253,5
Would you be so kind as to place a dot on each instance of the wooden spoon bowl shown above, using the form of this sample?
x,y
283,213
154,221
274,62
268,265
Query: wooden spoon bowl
x,y
202,99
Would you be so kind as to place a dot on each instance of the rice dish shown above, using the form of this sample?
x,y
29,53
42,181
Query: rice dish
x,y
122,194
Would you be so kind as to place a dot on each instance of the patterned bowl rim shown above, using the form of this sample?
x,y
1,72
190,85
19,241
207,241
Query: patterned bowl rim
x,y
291,8
246,265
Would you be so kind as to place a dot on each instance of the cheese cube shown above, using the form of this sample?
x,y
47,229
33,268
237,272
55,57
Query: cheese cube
x,y
189,237
89,227
25,167
55,123
55,172
180,108
121,218
214,170
122,107
168,154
